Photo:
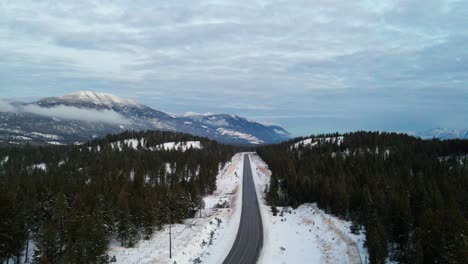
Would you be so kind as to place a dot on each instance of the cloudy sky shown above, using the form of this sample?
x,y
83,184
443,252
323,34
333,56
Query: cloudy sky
x,y
311,66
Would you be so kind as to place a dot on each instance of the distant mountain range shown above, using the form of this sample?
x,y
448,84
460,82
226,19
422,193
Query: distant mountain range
x,y
85,115
442,133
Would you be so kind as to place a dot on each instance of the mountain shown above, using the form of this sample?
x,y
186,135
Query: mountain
x,y
443,133
84,115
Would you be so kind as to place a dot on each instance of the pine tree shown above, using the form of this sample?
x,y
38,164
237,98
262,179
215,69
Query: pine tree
x,y
123,217
60,217
47,245
7,234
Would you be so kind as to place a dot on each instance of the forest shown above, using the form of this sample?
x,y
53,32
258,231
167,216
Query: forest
x,y
72,201
409,195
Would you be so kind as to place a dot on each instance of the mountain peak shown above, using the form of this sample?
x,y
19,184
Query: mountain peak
x,y
442,133
96,98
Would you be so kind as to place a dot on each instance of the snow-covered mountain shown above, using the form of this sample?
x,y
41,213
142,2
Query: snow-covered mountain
x,y
88,98
84,115
443,133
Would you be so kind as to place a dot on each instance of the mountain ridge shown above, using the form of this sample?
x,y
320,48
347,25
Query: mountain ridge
x,y
442,133
67,119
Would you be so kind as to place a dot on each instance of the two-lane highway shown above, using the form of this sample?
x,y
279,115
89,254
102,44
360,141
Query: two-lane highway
x,y
249,240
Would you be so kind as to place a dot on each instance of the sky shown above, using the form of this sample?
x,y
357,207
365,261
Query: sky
x,y
310,66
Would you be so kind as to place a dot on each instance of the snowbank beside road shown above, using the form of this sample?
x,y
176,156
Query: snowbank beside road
x,y
305,234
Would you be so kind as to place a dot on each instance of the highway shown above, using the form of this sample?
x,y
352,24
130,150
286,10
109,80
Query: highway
x,y
249,240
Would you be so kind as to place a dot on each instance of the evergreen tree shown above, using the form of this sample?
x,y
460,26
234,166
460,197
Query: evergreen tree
x,y
123,217
46,250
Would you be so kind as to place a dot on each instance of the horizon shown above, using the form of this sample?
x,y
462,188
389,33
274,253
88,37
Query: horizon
x,y
310,67
118,118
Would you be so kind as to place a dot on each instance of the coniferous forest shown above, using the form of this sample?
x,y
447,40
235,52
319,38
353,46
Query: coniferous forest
x,y
410,195
73,200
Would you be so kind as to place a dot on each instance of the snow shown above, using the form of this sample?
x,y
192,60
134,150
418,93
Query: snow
x,y
305,234
305,143
169,168
191,240
98,98
55,143
182,146
4,160
216,121
188,114
31,247
280,132
250,138
312,142
48,136
39,166
133,143
442,133
21,138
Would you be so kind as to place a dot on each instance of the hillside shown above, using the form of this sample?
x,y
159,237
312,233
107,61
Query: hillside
x,y
408,194
72,201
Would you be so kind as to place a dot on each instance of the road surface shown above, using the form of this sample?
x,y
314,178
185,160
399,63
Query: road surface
x,y
249,240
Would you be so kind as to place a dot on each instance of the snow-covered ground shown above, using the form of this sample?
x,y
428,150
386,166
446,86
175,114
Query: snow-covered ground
x,y
48,136
180,146
22,258
305,143
314,141
306,234
55,143
39,166
4,160
252,139
191,240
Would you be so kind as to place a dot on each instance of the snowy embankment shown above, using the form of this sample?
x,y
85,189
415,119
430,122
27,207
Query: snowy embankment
x,y
207,239
306,234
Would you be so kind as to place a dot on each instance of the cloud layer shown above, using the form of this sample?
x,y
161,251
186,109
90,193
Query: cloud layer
x,y
67,112
310,65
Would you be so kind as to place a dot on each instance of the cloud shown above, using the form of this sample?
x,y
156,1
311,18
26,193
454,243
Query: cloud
x,y
74,113
256,58
67,112
5,106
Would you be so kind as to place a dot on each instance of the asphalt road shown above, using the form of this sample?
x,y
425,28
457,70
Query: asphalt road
x,y
249,240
